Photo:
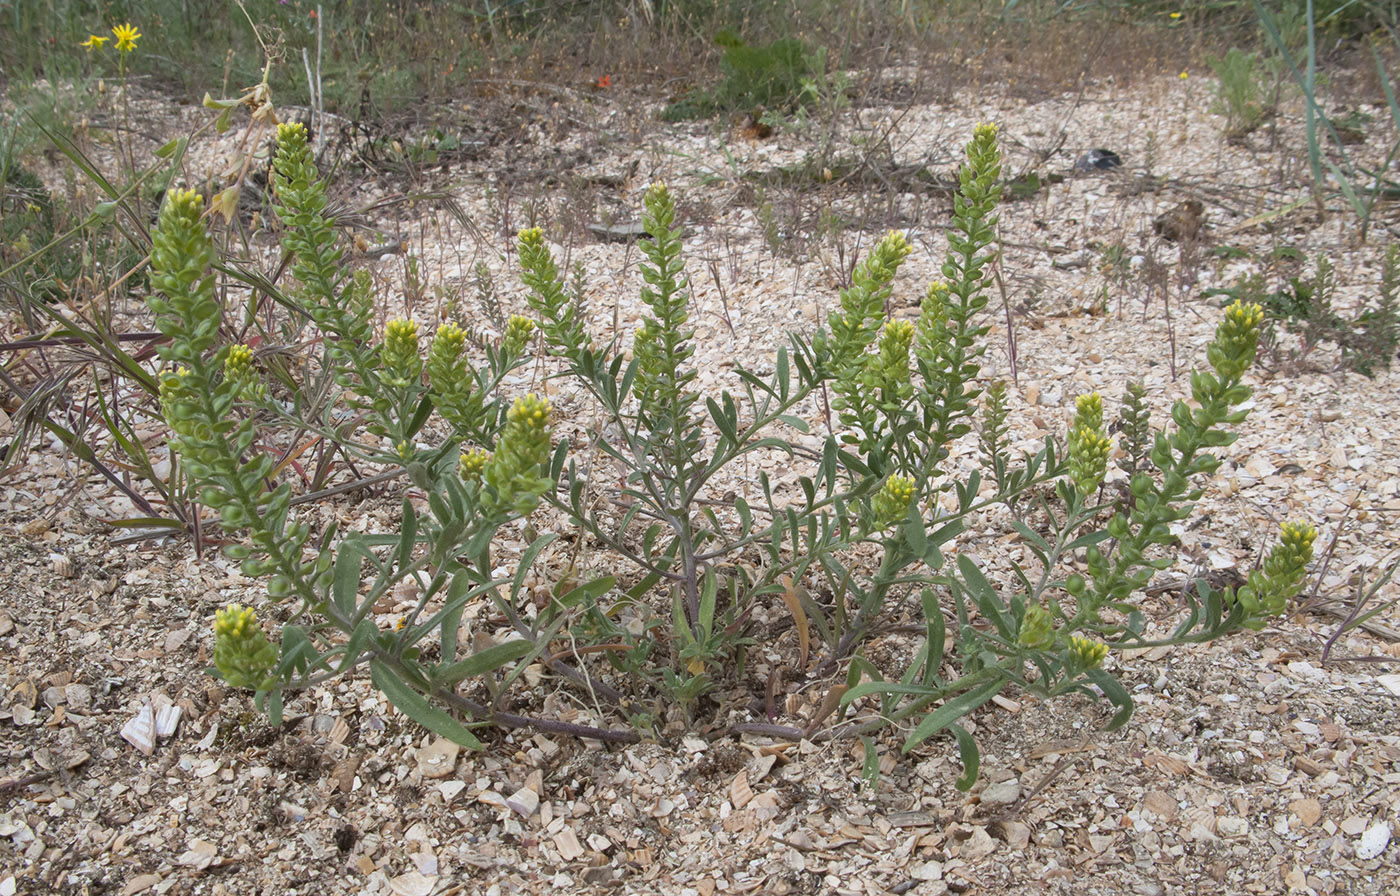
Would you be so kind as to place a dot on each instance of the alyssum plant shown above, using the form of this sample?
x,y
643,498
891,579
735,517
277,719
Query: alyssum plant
x,y
902,393
210,395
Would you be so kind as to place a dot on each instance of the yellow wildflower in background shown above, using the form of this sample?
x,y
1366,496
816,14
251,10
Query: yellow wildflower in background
x,y
94,42
126,36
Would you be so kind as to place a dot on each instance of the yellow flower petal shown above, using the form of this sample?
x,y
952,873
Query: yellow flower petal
x,y
126,36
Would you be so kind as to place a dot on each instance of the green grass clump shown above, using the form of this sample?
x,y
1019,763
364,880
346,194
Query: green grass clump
x,y
776,76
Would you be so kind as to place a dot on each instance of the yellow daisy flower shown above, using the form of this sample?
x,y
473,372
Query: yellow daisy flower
x,y
94,42
126,37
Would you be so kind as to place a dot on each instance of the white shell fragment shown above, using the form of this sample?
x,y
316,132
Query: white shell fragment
x,y
149,724
167,720
1374,841
140,731
524,801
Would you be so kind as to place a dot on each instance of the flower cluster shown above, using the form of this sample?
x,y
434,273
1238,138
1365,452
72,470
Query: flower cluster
x,y
242,653
402,366
1270,586
1037,628
519,329
1236,340
1085,654
239,371
451,381
512,474
471,463
559,317
1089,446
891,502
125,35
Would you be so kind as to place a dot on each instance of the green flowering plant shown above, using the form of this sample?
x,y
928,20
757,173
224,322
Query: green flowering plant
x,y
1052,634
901,391
215,402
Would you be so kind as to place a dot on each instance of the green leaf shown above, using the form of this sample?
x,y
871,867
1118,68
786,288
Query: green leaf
x,y
936,635
408,536
345,578
527,560
945,715
593,589
971,760
412,704
1116,694
171,148
913,530
211,103
886,689
297,652
988,601
481,662
870,768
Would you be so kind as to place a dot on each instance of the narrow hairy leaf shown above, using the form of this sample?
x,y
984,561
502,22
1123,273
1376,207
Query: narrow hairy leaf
x,y
412,704
951,711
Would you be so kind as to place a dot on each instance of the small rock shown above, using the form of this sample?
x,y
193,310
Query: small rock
x,y
79,697
1071,261
1161,804
140,884
1016,834
1098,160
978,846
438,759
567,843
1002,793
524,802
1308,811
928,871
412,884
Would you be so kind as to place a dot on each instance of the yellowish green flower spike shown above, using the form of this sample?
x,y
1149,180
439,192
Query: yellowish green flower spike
x,y
512,474
447,362
891,502
242,653
471,463
181,258
451,382
402,366
519,329
1085,654
895,341
1236,340
240,372
1037,629
1089,446
855,326
1272,585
